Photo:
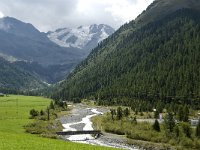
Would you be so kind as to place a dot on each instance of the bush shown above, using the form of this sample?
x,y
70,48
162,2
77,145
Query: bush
x,y
115,130
197,143
176,131
186,142
43,127
42,113
61,104
34,113
186,129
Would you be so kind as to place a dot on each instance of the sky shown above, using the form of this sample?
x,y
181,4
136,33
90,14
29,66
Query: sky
x,y
48,15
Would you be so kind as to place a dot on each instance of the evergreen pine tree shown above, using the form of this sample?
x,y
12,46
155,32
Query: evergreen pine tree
x,y
156,114
198,130
119,113
113,112
41,113
185,114
51,106
156,126
126,112
170,122
180,113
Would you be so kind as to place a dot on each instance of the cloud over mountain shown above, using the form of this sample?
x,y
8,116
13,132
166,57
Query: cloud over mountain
x,y
50,14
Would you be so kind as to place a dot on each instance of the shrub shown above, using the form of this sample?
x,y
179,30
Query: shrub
x,y
186,129
197,143
61,104
42,113
186,142
34,113
176,131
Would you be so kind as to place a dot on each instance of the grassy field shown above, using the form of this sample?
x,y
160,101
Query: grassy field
x,y
14,114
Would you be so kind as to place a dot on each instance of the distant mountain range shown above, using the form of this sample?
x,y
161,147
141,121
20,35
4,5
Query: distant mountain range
x,y
25,47
84,37
24,42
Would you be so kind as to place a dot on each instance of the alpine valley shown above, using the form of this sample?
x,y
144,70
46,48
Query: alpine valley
x,y
40,56
134,88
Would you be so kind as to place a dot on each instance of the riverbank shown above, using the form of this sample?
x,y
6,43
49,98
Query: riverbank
x,y
80,119
144,136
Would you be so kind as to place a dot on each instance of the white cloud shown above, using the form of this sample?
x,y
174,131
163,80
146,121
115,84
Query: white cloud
x,y
1,15
117,11
126,11
51,14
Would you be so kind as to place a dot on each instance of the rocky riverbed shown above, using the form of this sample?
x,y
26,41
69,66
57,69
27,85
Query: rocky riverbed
x,y
80,119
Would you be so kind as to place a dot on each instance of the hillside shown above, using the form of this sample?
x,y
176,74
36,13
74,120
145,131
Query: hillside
x,y
160,58
43,57
161,8
22,42
13,77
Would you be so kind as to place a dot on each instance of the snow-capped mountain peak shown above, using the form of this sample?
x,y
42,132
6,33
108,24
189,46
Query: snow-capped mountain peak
x,y
83,37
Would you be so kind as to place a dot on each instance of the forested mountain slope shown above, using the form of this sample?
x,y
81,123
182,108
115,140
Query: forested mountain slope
x,y
14,78
160,8
23,43
160,58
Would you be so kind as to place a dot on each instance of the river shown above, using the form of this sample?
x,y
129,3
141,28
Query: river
x,y
80,119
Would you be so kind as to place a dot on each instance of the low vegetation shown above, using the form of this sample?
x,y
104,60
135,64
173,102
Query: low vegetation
x,y
168,132
14,115
45,123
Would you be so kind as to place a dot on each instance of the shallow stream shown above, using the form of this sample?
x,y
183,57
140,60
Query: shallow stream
x,y
80,120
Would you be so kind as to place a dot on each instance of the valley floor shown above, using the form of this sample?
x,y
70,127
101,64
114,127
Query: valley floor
x,y
79,119
14,115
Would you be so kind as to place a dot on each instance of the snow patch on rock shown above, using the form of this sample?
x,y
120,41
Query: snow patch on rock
x,y
80,37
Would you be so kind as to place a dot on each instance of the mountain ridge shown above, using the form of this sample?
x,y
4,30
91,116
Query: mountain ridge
x,y
161,8
83,37
129,62
25,42
32,51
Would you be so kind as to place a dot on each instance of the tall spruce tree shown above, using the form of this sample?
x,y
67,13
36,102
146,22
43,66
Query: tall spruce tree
x,y
156,126
198,130
119,113
170,122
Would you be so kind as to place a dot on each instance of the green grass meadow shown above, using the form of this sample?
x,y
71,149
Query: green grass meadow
x,y
14,114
